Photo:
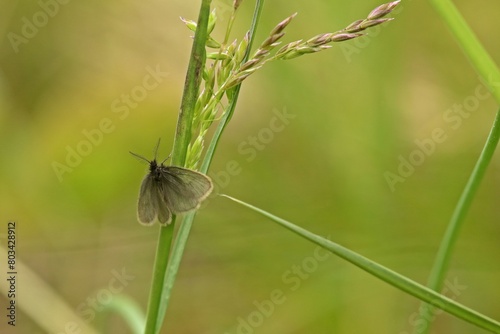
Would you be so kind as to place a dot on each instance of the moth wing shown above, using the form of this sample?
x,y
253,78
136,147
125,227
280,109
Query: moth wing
x,y
185,189
164,214
147,206
151,204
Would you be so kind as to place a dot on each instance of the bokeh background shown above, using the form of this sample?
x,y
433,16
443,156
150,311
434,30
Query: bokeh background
x,y
357,109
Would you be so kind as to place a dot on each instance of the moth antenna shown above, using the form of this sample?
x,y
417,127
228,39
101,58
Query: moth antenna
x,y
139,157
156,148
167,158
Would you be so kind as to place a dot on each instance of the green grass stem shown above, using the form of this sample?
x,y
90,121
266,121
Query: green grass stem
x,y
470,44
490,75
128,310
445,251
177,251
154,319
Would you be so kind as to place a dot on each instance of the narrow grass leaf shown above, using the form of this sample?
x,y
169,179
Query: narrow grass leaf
x,y
387,275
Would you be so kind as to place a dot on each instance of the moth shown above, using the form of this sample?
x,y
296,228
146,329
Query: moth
x,y
168,190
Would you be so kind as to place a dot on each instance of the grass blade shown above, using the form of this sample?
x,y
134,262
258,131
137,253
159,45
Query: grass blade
x,y
490,75
470,44
387,275
444,254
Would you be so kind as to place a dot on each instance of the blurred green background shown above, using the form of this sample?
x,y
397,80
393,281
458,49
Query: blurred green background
x,y
358,109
